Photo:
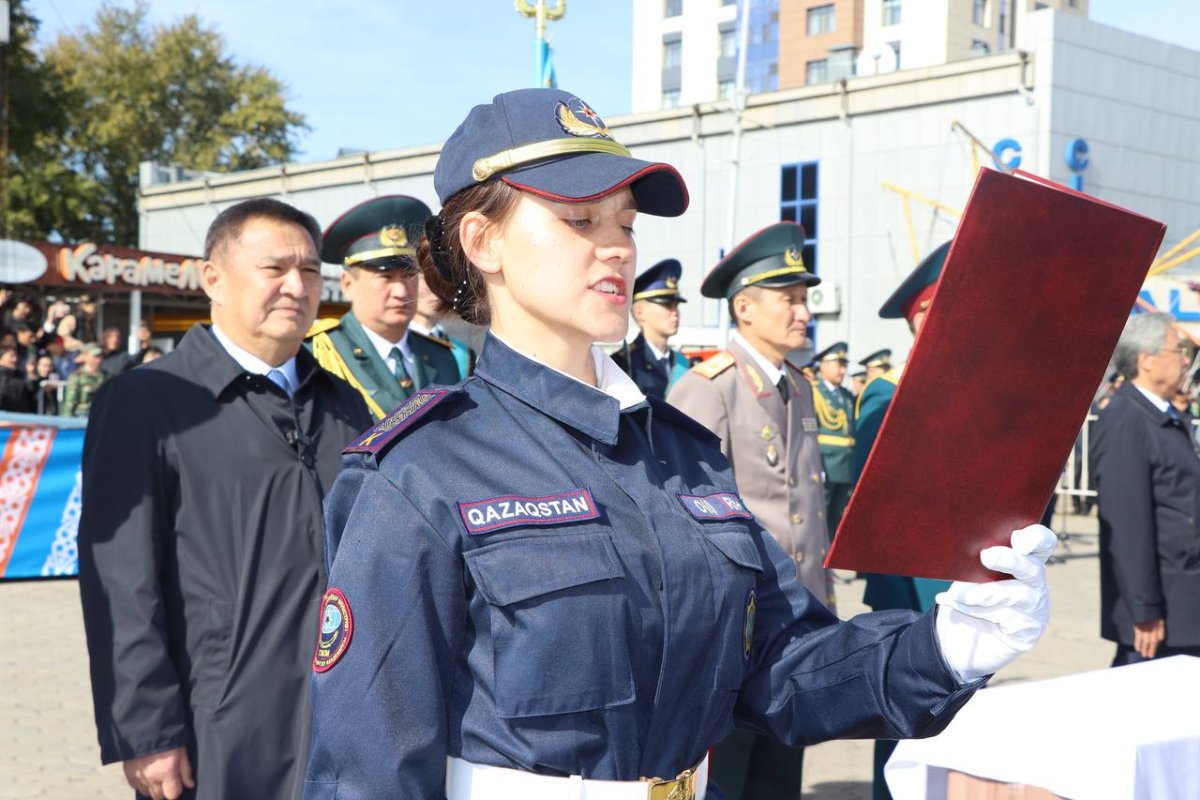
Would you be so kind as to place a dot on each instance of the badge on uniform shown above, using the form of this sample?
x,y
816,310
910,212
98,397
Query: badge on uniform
x,y
768,432
748,624
510,511
772,455
337,625
718,506
810,424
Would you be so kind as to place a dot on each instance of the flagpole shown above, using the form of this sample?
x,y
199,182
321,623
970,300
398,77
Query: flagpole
x,y
543,73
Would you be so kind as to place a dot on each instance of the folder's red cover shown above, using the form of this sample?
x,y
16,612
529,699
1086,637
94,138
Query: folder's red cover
x,y
1034,294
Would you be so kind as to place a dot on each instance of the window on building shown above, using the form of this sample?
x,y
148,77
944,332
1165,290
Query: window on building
x,y
891,12
728,43
670,98
725,90
979,48
816,71
673,54
821,20
672,8
798,203
979,12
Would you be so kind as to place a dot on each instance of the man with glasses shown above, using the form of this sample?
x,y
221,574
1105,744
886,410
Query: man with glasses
x,y
372,347
1148,485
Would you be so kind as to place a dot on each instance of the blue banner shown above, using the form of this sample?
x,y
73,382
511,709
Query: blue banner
x,y
40,488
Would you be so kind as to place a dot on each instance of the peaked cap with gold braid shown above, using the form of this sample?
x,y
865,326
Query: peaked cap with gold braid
x,y
379,234
772,257
660,283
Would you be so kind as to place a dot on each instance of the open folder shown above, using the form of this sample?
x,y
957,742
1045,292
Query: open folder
x,y
1035,291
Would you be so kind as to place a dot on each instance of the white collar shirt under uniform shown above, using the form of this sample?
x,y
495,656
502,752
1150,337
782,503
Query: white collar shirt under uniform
x,y
255,365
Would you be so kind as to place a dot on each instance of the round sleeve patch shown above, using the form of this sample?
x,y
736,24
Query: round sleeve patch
x,y
337,625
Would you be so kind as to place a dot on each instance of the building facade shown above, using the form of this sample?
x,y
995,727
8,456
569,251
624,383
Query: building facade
x,y
822,154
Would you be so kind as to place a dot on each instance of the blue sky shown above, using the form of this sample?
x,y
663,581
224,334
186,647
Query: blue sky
x,y
375,75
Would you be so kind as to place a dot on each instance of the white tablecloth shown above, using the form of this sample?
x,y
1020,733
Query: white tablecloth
x,y
1131,732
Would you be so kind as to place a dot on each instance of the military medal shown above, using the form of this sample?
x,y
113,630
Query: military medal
x,y
768,432
772,455
406,382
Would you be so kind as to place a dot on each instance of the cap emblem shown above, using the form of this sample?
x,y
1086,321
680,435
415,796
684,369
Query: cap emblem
x,y
792,257
393,236
671,282
578,119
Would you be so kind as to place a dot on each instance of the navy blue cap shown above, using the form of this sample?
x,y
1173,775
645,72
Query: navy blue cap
x,y
380,233
552,144
880,358
839,351
772,257
916,292
660,283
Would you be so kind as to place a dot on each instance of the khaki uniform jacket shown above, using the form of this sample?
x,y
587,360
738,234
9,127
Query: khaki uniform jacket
x,y
773,451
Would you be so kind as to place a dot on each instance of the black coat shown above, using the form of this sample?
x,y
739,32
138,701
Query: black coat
x,y
16,393
1148,480
201,562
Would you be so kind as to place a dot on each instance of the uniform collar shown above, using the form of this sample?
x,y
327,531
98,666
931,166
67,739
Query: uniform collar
x,y
382,346
593,411
771,372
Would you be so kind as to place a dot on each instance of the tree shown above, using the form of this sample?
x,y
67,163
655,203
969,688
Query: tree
x,y
133,93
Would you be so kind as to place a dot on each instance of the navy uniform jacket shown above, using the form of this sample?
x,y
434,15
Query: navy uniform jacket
x,y
1148,485
541,581
342,347
639,363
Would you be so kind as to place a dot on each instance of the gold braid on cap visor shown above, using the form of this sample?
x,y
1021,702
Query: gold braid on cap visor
x,y
488,166
775,273
383,252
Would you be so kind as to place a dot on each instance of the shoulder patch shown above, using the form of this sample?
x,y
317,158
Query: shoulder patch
x,y
322,326
714,365
377,438
435,339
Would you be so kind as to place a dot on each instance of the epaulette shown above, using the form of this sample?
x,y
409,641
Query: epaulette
x,y
378,438
713,366
323,326
430,338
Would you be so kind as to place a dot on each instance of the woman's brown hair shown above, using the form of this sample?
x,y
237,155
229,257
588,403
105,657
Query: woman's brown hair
x,y
448,272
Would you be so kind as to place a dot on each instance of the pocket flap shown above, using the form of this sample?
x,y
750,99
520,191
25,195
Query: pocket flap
x,y
513,570
737,546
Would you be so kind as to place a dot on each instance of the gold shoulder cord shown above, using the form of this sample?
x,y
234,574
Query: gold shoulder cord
x,y
833,419
329,359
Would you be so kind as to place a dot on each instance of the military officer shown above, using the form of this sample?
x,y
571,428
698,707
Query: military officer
x,y
911,301
371,346
835,429
857,381
648,359
427,321
762,408
876,364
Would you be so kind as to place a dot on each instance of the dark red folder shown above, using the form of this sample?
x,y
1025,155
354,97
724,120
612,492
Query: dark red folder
x,y
1035,291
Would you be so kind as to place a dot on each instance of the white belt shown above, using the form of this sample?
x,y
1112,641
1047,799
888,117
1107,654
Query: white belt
x,y
467,781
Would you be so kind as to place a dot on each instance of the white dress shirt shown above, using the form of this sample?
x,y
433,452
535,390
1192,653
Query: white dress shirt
x,y
255,365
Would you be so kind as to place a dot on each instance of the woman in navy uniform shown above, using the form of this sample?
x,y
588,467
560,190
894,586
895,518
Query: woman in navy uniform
x,y
544,583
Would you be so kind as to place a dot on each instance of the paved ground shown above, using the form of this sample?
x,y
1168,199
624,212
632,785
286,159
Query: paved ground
x,y
48,743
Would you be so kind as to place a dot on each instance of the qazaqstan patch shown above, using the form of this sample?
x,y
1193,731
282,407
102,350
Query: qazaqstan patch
x,y
337,626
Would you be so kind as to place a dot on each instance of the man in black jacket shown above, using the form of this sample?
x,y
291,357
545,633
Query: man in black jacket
x,y
1148,482
200,541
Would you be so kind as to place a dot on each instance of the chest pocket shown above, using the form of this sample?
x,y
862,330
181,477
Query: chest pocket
x,y
559,622
736,568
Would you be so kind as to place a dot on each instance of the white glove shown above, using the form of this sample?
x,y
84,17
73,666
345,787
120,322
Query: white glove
x,y
981,627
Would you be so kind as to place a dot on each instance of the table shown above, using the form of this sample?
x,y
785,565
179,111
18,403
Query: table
x,y
1131,733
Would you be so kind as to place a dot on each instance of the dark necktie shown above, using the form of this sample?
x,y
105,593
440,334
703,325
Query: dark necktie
x,y
399,371
782,386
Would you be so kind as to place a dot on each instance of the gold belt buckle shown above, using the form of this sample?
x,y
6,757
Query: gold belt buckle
x,y
683,787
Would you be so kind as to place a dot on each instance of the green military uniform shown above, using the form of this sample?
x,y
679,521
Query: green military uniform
x,y
885,592
380,234
342,347
81,389
835,434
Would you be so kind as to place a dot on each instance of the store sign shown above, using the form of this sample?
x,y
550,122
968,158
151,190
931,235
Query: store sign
x,y
85,264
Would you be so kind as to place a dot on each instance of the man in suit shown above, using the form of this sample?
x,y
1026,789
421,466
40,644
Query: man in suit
x,y
201,549
648,359
912,302
371,346
1148,486
762,408
835,433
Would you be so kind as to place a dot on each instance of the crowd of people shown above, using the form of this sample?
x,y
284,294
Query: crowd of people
x,y
53,359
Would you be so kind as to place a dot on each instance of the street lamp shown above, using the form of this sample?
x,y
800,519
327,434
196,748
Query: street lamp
x,y
544,69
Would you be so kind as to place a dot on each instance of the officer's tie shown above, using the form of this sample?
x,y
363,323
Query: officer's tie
x,y
782,386
398,370
277,377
